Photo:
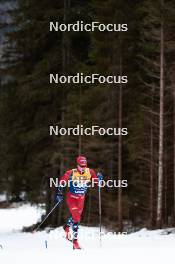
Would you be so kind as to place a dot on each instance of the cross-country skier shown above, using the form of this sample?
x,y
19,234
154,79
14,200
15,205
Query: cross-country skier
x,y
77,180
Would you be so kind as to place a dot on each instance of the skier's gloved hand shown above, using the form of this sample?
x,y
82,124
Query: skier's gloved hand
x,y
59,195
100,178
59,198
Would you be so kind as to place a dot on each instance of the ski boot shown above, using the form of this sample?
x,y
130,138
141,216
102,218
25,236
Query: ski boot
x,y
67,232
76,244
75,236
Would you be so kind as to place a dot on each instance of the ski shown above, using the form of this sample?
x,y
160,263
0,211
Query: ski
x,y
74,243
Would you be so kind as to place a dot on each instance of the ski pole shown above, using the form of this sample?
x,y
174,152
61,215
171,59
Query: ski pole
x,y
46,216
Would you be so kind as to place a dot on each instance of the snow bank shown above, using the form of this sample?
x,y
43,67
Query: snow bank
x,y
14,219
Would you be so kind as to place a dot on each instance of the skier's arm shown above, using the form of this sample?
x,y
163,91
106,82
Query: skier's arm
x,y
64,179
96,178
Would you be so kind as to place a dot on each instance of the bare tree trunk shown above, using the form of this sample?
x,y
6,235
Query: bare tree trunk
x,y
64,70
165,188
120,209
80,121
151,181
161,128
65,63
152,178
174,148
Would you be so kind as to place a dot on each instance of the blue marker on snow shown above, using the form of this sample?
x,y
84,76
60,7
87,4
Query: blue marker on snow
x,y
46,243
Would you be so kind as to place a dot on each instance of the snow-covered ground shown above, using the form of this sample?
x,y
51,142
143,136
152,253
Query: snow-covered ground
x,y
26,248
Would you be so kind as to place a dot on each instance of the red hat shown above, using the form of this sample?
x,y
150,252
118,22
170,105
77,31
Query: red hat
x,y
82,161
